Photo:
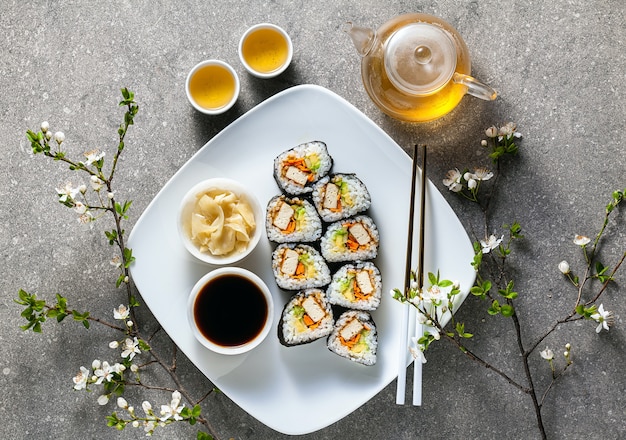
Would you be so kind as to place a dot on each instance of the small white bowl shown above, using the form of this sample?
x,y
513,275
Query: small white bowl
x,y
257,286
222,107
186,208
278,70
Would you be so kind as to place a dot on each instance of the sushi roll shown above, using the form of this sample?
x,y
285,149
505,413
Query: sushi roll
x,y
354,337
299,266
356,286
352,239
340,196
307,316
290,220
297,169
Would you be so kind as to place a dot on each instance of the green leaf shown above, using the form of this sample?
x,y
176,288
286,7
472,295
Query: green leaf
x,y
133,301
445,283
495,308
507,310
432,278
204,436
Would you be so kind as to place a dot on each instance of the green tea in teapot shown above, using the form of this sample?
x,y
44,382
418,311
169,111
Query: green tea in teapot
x,y
416,67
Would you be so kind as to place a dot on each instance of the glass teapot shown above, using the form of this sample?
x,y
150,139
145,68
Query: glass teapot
x,y
416,67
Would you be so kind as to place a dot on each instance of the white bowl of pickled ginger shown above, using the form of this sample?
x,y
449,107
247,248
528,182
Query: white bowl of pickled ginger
x,y
220,221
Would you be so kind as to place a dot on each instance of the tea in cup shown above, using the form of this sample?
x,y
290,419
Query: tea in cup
x,y
265,50
212,87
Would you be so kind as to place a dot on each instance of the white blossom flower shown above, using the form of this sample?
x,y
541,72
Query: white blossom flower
x,y
96,183
547,354
104,373
86,218
59,137
130,348
435,295
581,240
173,409
507,130
68,192
149,426
103,399
93,156
490,243
80,208
417,351
482,174
564,267
45,126
122,403
604,318
453,180
121,312
116,262
80,380
95,364
118,368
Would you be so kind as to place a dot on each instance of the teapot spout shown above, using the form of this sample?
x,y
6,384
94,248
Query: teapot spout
x,y
363,38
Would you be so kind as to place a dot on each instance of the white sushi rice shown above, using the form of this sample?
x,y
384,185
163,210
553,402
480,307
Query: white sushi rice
x,y
284,281
292,331
309,230
366,352
315,147
358,197
338,253
337,297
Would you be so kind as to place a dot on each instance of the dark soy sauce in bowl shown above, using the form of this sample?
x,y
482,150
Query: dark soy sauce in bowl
x,y
230,310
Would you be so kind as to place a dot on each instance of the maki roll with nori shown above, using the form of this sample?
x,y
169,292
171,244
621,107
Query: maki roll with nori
x,y
356,286
351,239
307,316
299,266
290,220
297,169
354,337
340,196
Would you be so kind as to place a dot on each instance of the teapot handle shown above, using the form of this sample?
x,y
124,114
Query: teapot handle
x,y
475,87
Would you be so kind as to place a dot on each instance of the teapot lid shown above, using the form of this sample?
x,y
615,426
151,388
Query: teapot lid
x,y
420,58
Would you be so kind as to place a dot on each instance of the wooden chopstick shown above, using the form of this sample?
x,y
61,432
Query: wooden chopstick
x,y
404,330
417,366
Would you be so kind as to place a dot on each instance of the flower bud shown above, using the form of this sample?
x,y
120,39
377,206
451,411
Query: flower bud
x,y
59,137
48,135
564,267
45,126
114,344
568,346
483,143
491,132
122,403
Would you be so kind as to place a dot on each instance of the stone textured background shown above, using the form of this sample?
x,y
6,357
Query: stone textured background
x,y
559,67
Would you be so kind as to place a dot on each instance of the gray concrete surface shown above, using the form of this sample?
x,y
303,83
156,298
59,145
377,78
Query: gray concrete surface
x,y
560,69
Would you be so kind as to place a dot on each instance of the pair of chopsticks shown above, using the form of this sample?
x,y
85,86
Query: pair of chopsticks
x,y
417,366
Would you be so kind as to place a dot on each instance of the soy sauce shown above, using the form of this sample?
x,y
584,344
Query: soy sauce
x,y
230,310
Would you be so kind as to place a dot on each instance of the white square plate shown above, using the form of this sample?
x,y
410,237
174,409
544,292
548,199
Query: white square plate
x,y
301,389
